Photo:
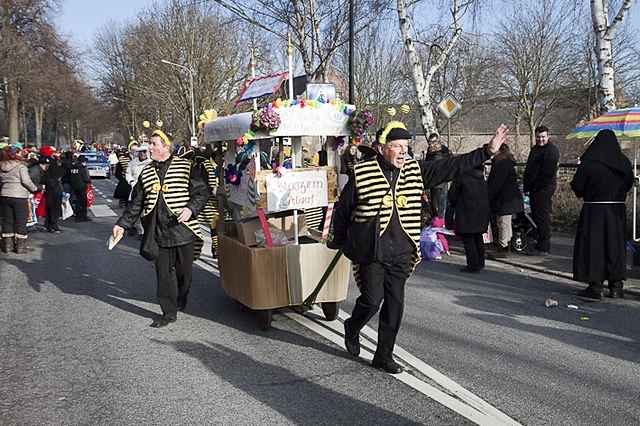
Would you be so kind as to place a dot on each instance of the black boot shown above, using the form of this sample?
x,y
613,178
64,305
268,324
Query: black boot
x,y
351,340
388,366
5,244
20,246
593,291
615,290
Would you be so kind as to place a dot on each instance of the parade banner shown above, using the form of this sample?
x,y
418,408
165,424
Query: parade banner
x,y
261,86
227,128
298,190
323,120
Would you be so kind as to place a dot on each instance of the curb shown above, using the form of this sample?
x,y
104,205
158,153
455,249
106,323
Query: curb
x,y
559,274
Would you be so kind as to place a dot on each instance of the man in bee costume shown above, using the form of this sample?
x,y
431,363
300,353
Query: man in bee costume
x,y
377,225
169,196
209,215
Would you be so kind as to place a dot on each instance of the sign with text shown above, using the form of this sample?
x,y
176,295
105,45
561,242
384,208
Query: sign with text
x,y
297,190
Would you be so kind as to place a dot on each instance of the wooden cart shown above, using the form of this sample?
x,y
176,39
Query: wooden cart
x,y
264,279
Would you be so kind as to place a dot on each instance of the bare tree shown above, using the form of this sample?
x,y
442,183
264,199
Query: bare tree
x,y
535,58
24,32
318,28
379,77
423,71
141,87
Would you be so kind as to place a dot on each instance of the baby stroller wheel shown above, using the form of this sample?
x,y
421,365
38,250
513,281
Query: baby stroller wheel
x,y
518,242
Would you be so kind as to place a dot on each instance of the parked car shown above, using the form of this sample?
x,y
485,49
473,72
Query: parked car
x,y
97,164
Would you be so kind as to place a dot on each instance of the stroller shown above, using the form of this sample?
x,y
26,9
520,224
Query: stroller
x,y
524,228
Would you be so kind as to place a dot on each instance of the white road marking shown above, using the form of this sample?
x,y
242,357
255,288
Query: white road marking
x,y
451,402
454,396
100,210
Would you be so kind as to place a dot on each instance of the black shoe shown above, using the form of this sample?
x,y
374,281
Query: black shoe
x,y
468,270
591,293
616,293
162,322
182,305
351,340
500,253
389,366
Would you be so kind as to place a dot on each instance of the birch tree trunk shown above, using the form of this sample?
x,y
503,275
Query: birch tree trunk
x,y
423,84
605,33
422,87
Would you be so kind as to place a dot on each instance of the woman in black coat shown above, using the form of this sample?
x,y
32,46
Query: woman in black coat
x,y
602,180
505,197
470,199
53,194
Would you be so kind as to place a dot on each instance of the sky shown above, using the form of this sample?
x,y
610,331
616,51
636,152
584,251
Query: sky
x,y
80,19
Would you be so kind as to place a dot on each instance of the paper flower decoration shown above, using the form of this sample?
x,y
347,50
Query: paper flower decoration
x,y
266,119
405,109
210,114
360,122
391,111
146,124
232,175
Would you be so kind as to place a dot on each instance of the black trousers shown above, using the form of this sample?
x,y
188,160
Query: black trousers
x,y
438,199
80,205
541,215
381,283
14,213
473,250
54,210
173,273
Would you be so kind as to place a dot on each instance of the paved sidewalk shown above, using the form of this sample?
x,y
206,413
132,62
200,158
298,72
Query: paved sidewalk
x,y
559,262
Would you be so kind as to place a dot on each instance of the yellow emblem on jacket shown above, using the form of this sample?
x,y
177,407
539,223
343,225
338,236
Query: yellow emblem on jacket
x,y
157,187
401,201
387,200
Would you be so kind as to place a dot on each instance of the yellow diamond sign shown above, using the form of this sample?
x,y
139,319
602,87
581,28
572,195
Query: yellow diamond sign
x,y
449,106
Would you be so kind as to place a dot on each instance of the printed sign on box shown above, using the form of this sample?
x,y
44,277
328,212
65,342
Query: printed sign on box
x,y
299,190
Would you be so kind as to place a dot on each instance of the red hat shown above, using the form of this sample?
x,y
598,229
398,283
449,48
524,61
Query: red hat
x,y
46,151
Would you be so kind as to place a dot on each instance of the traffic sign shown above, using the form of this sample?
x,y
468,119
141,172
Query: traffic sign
x,y
449,106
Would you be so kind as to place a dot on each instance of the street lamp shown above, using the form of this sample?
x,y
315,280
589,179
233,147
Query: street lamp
x,y
193,103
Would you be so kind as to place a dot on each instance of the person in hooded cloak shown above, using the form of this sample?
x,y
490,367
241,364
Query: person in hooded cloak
x,y
602,180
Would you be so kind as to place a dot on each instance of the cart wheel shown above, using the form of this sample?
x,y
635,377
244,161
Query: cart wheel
x,y
330,310
264,318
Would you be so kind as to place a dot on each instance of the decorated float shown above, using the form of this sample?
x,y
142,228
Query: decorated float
x,y
267,257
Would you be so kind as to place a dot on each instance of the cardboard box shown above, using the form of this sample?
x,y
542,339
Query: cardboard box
x,y
262,278
245,231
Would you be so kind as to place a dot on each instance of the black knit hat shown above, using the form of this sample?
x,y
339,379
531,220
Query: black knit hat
x,y
398,133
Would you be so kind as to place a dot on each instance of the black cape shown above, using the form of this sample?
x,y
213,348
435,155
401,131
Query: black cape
x,y
469,196
604,174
